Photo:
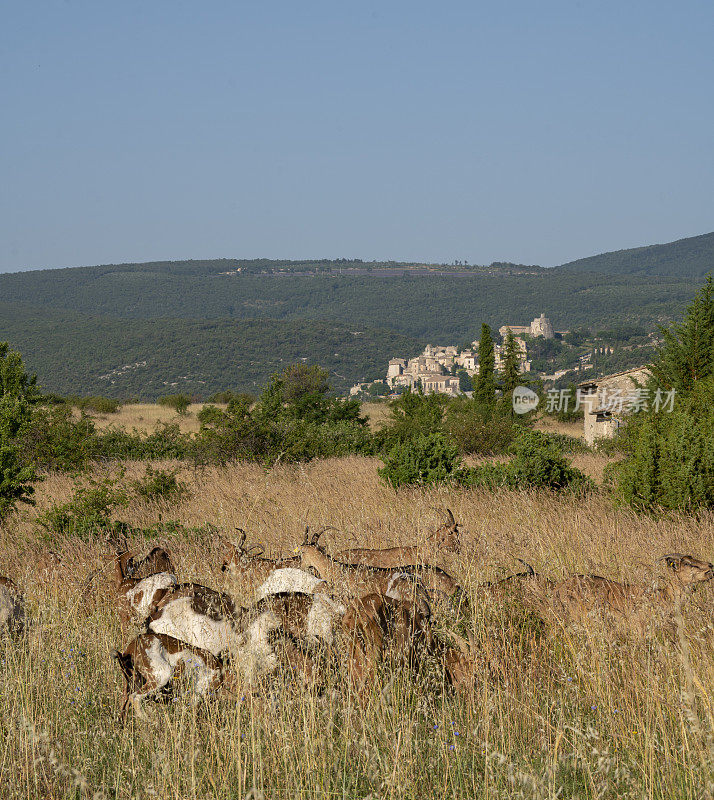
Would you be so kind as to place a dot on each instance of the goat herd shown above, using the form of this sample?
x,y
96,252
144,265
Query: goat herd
x,y
352,609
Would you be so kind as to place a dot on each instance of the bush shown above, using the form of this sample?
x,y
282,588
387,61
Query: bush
x,y
15,481
88,512
412,415
100,405
209,415
165,442
669,461
53,439
537,463
423,460
159,484
480,428
179,402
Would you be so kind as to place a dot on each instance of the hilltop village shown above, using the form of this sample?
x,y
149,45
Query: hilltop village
x,y
441,368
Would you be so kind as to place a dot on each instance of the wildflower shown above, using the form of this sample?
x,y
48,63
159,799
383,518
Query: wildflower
x,y
452,747
593,708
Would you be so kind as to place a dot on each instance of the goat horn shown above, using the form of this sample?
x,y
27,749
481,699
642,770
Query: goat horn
x,y
673,556
242,539
530,569
450,517
256,547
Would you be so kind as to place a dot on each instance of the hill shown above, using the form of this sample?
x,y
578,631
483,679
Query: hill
x,y
686,258
200,326
79,354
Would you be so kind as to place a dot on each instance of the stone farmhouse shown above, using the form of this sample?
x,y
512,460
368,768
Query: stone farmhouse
x,y
607,401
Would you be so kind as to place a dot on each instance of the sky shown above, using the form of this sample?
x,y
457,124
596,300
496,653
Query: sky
x,y
428,131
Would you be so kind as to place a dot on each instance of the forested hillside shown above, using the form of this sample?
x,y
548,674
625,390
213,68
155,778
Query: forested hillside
x,y
438,308
686,258
79,354
201,326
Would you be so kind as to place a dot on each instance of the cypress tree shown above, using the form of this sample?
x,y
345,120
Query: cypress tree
x,y
687,354
485,391
511,362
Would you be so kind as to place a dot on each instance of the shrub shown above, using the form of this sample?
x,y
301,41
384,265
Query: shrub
x,y
423,460
53,439
537,463
411,415
99,404
88,512
166,441
179,402
669,461
478,427
159,484
209,415
15,481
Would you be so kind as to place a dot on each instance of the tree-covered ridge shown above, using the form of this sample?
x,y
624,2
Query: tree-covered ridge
x,y
440,309
686,258
74,353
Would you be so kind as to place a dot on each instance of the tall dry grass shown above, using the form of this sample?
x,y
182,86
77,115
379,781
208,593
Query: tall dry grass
x,y
571,715
144,417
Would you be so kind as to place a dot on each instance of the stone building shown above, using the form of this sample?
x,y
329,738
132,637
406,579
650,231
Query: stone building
x,y
541,326
607,401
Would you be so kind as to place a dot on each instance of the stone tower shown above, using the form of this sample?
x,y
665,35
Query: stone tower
x,y
542,326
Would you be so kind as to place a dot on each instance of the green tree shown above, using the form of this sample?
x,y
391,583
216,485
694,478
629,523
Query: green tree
x,y
511,363
669,461
179,402
687,354
465,382
18,391
485,389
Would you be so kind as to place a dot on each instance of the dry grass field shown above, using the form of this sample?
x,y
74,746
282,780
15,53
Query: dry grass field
x,y
145,416
576,714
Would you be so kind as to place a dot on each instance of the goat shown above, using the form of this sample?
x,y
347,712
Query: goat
x,y
289,579
249,565
141,583
149,664
210,620
12,608
197,615
375,625
575,599
529,586
446,538
357,580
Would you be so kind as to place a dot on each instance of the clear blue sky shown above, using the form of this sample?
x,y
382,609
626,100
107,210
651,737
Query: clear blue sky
x,y
535,132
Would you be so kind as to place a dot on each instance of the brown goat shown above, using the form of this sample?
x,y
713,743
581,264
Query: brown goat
x,y
250,565
357,580
446,539
12,608
579,597
375,626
